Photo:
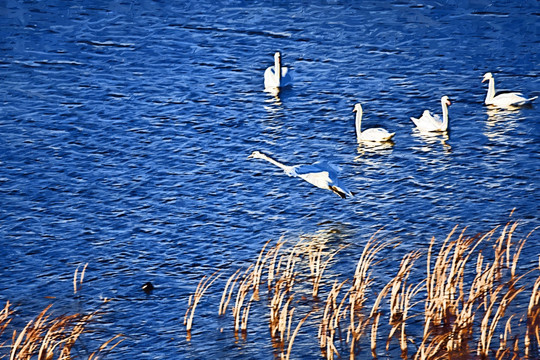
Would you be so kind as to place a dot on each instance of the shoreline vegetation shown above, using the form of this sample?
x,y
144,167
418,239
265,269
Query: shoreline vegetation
x,y
464,307
50,336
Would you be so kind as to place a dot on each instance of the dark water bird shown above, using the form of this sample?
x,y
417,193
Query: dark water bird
x,y
321,174
147,287
506,99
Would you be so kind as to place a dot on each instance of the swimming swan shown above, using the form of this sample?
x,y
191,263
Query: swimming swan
x,y
320,174
277,76
373,134
504,99
428,122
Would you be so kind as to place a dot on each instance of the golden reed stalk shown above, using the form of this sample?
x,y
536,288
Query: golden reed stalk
x,y
468,287
194,299
48,336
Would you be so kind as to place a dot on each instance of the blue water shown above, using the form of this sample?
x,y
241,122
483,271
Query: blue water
x,y
125,129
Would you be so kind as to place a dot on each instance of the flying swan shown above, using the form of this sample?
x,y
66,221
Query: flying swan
x,y
277,76
503,99
428,122
320,174
372,134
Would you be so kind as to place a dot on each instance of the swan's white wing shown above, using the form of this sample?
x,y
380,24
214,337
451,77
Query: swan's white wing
x,y
326,166
318,174
320,179
270,80
508,99
376,134
323,175
503,92
314,168
428,122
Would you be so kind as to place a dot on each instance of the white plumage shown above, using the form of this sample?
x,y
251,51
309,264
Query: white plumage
x,y
428,122
321,174
503,100
372,134
277,76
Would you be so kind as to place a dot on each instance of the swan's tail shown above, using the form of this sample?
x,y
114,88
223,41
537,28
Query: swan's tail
x,y
525,101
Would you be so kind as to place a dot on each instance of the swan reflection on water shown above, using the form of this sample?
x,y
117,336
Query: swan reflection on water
x,y
500,123
273,104
375,147
433,138
332,233
496,114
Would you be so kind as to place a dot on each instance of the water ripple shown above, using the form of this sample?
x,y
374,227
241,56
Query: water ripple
x,y
126,130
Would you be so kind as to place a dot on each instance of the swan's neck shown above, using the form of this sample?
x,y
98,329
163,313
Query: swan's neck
x,y
444,115
358,124
491,90
284,167
277,68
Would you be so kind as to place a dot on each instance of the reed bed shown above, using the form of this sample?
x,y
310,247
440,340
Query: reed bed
x,y
461,303
49,336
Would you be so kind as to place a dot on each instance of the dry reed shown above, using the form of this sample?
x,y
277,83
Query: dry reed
x,y
532,332
401,295
317,265
290,338
78,278
330,321
48,337
240,318
282,292
194,299
466,292
51,337
362,280
5,317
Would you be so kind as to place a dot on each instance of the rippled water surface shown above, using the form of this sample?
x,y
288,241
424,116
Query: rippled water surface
x,y
125,129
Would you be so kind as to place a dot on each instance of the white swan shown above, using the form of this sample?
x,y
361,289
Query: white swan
x,y
320,174
372,134
277,76
504,99
428,122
